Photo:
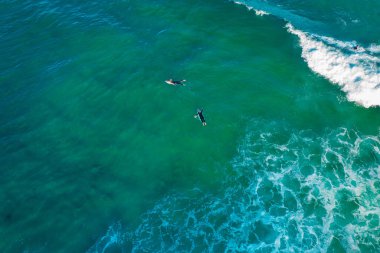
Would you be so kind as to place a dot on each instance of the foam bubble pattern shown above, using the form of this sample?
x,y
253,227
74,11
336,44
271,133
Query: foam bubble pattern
x,y
288,192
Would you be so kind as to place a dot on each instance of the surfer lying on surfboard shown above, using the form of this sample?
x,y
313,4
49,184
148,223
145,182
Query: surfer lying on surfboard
x,y
172,82
200,116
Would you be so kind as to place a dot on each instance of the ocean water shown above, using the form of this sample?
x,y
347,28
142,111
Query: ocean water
x,y
98,154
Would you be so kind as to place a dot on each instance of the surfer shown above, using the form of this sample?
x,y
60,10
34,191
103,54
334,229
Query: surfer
x,y
172,82
200,116
355,47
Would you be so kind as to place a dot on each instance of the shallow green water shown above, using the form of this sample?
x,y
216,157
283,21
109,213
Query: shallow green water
x,y
91,136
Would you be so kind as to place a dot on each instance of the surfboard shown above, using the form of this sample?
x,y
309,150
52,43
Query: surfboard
x,y
169,82
175,82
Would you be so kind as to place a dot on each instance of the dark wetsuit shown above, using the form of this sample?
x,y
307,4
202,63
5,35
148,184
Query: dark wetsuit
x,y
177,82
201,117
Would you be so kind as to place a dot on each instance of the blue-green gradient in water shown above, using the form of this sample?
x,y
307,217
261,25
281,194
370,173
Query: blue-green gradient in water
x,y
98,154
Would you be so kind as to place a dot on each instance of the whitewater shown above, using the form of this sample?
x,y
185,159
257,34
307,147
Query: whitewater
x,y
99,154
355,68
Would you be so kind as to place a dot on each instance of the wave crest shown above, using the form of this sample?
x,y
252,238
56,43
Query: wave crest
x,y
356,71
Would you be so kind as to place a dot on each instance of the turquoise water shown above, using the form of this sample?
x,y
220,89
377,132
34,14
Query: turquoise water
x,y
98,154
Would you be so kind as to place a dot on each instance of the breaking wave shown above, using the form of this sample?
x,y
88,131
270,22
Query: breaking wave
x,y
354,70
353,67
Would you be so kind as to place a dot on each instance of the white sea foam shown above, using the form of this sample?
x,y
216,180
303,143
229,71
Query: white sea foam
x,y
266,208
261,13
356,71
257,12
373,48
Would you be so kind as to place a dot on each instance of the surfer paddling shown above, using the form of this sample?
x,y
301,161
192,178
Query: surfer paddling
x,y
175,83
200,116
